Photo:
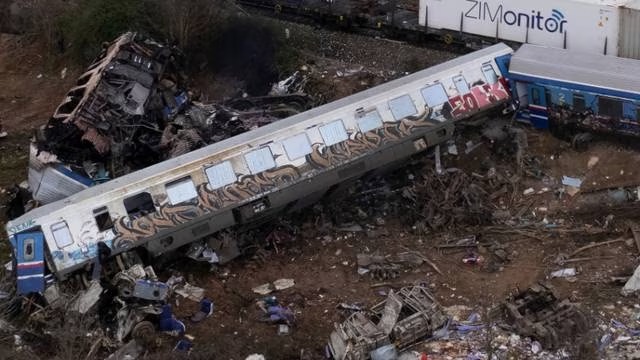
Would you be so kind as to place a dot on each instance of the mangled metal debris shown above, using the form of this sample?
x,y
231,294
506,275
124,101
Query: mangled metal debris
x,y
538,313
132,109
407,316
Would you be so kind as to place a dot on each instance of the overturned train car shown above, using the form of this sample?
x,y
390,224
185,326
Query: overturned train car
x,y
279,167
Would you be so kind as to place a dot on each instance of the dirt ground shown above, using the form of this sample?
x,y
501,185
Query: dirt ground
x,y
322,260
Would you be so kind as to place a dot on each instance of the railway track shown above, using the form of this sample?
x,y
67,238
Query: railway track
x,y
376,27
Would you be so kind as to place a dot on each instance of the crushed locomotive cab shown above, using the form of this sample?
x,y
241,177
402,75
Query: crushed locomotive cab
x,y
132,109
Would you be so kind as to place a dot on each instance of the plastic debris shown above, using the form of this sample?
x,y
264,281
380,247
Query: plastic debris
x,y
283,329
282,284
206,310
563,273
190,292
387,352
168,322
633,284
571,181
183,345
268,288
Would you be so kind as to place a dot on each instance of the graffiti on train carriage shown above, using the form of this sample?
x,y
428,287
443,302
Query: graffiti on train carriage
x,y
131,230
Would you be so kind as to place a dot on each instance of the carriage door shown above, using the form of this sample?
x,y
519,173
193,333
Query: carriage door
x,y
30,262
538,114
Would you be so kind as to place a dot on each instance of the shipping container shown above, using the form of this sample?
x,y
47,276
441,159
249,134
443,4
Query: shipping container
x,y
629,39
609,27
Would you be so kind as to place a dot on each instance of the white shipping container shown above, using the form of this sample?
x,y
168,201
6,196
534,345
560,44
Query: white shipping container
x,y
629,39
581,25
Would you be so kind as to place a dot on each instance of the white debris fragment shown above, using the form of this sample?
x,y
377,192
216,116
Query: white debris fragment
x,y
452,149
282,284
190,292
88,298
633,284
571,181
255,357
592,162
563,273
528,191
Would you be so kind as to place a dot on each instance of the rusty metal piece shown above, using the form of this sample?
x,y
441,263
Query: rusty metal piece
x,y
538,313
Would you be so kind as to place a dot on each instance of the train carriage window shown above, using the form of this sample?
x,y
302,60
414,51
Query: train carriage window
x,y
489,73
260,160
297,146
139,205
579,104
180,191
28,253
610,107
103,219
629,111
220,175
369,121
402,106
61,234
434,95
461,84
333,132
535,96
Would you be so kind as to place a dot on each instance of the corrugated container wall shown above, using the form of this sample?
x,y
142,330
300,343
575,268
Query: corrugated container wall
x,y
629,39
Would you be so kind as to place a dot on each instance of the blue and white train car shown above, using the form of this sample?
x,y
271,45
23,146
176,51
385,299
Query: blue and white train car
x,y
571,91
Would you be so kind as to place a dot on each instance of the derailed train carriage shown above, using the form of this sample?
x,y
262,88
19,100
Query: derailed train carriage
x,y
279,167
574,94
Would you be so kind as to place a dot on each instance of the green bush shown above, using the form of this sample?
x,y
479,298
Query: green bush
x,y
91,22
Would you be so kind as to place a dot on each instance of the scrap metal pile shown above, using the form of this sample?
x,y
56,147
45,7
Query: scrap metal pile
x,y
407,316
132,109
539,313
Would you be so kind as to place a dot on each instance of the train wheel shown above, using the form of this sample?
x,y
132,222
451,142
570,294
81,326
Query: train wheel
x,y
144,332
581,141
448,39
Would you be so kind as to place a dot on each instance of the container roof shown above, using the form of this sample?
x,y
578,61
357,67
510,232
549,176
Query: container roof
x,y
593,70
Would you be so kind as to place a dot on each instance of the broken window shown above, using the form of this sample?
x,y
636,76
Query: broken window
x,y
220,175
434,95
260,160
402,106
610,107
369,121
297,146
535,96
489,73
28,253
61,234
579,104
333,132
139,205
103,219
180,191
461,84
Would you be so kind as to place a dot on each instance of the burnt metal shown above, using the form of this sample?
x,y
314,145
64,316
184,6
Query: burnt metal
x,y
540,314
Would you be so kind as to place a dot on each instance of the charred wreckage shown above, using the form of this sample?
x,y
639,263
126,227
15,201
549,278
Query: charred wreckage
x,y
132,109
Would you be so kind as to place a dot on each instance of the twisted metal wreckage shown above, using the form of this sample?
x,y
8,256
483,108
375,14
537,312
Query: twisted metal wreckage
x,y
132,109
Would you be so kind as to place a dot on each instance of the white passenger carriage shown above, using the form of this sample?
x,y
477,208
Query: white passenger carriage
x,y
279,167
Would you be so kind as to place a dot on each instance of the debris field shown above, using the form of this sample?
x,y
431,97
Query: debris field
x,y
504,243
